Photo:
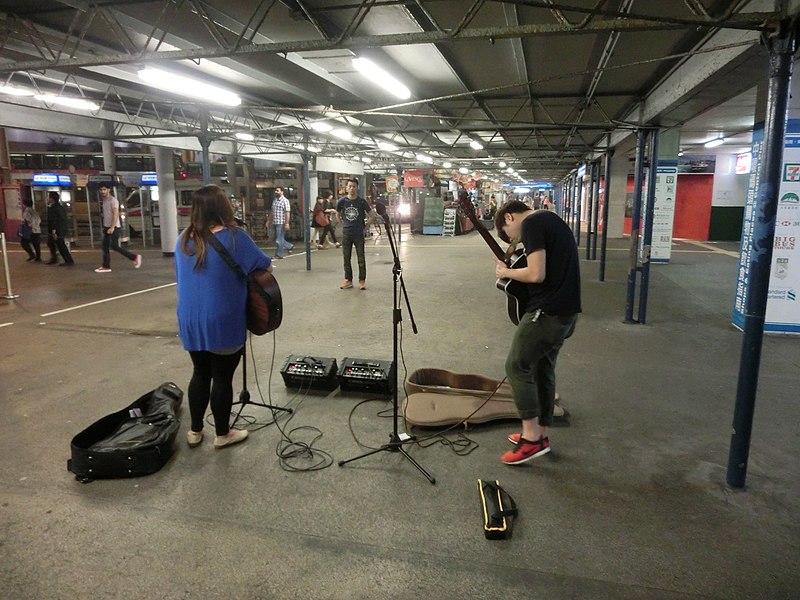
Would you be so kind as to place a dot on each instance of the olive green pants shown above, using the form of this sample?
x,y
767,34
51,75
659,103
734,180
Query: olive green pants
x,y
531,363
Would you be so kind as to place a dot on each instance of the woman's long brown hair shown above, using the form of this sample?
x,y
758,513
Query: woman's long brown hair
x,y
210,207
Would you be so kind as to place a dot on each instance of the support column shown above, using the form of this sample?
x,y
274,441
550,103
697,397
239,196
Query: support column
x,y
5,158
606,187
781,51
167,200
109,158
616,193
648,225
633,252
205,142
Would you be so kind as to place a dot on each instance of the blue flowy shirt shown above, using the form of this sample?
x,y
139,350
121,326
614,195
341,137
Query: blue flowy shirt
x,y
212,300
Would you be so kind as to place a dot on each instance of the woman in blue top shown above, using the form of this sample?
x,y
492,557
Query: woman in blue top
x,y
212,321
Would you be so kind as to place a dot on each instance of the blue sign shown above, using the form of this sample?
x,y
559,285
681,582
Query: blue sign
x,y
51,179
148,179
581,171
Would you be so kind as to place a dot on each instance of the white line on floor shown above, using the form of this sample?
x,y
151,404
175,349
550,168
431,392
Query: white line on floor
x,y
57,312
5,324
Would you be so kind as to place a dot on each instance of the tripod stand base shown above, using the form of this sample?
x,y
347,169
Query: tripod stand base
x,y
394,445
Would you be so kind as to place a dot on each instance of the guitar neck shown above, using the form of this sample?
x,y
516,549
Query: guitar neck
x,y
485,233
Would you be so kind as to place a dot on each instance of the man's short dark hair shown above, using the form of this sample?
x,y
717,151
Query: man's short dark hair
x,y
279,188
513,206
54,196
353,180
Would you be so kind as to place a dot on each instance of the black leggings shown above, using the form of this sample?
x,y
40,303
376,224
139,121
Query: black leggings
x,y
212,382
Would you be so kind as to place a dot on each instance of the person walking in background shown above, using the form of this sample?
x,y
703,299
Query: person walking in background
x,y
111,228
57,231
323,215
32,244
552,275
212,298
353,210
280,216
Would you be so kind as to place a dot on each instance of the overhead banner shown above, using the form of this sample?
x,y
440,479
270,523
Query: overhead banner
x,y
413,178
783,311
664,211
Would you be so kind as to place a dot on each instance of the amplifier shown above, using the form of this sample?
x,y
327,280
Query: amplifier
x,y
367,375
310,372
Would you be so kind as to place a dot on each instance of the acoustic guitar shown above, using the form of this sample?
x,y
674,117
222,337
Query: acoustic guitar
x,y
516,291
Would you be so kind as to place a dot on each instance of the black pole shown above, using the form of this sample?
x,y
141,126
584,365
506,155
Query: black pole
x,y
644,283
781,50
589,212
304,204
578,186
606,202
596,216
636,216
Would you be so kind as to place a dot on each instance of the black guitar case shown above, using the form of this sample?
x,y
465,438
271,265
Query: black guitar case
x,y
137,440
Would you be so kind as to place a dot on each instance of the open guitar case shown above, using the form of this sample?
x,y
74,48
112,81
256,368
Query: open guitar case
x,y
137,440
437,398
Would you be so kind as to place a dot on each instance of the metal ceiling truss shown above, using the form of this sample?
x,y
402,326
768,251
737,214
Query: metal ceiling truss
x,y
548,143
749,21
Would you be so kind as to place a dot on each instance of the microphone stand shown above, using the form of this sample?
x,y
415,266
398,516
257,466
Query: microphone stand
x,y
395,441
244,395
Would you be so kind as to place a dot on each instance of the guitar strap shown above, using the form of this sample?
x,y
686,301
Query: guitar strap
x,y
223,252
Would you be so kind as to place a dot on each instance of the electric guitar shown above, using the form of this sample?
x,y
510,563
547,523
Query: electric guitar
x,y
516,291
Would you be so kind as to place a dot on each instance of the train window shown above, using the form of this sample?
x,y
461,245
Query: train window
x,y
186,197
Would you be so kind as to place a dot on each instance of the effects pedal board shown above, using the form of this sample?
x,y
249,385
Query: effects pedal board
x,y
367,375
310,372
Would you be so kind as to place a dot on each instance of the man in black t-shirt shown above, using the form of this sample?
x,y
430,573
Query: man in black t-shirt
x,y
552,275
353,210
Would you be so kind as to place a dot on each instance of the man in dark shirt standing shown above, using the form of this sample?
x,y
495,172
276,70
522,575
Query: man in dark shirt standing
x,y
353,210
552,273
56,230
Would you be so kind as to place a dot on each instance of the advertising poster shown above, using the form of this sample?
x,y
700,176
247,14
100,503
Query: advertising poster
x,y
664,211
783,312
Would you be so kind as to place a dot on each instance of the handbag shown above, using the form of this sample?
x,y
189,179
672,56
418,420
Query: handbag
x,y
25,231
322,219
264,303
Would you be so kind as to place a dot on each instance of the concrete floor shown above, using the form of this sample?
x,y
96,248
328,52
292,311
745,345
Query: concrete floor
x,y
631,503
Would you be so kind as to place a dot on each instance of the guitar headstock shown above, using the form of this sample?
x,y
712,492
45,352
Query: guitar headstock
x,y
465,204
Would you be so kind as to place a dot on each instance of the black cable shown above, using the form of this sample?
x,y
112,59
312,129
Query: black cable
x,y
289,450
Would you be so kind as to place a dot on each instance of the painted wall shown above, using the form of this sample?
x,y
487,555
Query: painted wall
x,y
727,200
692,206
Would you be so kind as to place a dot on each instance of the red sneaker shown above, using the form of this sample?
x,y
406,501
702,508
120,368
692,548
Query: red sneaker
x,y
526,450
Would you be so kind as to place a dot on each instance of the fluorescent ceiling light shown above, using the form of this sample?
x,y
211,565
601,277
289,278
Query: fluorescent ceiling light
x,y
447,165
321,126
313,149
342,134
475,144
7,89
509,170
463,170
366,159
247,137
680,153
187,86
714,143
424,158
377,75
502,165
387,146
65,101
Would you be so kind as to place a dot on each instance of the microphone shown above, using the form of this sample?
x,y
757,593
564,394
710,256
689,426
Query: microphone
x,y
380,208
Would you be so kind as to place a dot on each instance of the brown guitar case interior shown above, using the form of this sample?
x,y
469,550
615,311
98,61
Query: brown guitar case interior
x,y
437,398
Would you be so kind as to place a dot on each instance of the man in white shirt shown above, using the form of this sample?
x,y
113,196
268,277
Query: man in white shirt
x,y
111,228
